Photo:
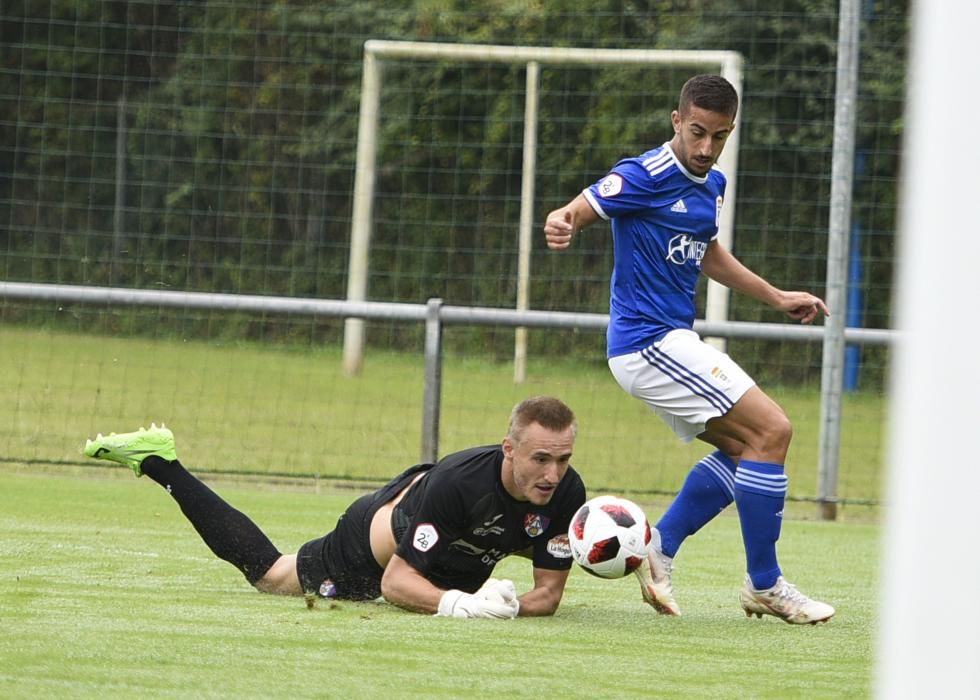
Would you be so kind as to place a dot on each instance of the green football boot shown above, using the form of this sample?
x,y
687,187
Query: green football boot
x,y
131,449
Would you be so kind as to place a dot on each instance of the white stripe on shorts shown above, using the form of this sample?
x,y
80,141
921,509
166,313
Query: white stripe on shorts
x,y
684,376
683,380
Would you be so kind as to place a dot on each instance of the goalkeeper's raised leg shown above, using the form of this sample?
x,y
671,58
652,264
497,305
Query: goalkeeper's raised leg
x,y
228,532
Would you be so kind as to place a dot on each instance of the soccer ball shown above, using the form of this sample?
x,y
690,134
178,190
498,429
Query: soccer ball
x,y
609,536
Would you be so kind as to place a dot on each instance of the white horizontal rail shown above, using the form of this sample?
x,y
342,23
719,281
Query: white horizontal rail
x,y
462,315
207,300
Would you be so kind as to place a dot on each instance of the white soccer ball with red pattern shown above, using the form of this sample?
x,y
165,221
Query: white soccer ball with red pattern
x,y
609,536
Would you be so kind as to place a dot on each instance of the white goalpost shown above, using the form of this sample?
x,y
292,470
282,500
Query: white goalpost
x,y
728,63
929,634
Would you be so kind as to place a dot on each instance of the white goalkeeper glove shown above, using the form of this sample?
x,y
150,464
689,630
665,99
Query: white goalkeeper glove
x,y
499,590
498,601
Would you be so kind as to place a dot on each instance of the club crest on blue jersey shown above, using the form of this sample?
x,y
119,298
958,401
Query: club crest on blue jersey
x,y
535,524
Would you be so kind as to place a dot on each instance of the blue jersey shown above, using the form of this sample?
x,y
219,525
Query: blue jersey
x,y
663,218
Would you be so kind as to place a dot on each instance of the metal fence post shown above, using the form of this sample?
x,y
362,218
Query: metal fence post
x,y
842,176
119,211
432,390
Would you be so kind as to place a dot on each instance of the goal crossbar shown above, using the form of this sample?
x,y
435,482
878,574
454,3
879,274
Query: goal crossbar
x,y
729,64
551,55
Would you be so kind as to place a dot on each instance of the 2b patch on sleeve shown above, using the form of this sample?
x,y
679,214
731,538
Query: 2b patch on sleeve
x,y
611,185
425,537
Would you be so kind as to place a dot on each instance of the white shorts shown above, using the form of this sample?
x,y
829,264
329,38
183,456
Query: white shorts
x,y
683,380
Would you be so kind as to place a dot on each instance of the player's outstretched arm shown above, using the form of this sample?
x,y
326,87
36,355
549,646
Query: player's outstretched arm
x,y
543,599
721,266
562,224
403,585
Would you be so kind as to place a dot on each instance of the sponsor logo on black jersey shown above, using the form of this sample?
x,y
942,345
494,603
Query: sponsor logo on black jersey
x,y
559,547
490,527
467,547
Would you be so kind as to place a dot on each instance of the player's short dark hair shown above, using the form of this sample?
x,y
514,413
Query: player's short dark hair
x,y
546,411
710,92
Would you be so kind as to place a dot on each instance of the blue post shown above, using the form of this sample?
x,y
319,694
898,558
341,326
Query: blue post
x,y
855,309
855,286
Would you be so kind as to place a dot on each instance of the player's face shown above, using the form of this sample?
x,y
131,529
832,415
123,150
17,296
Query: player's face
x,y
536,462
699,138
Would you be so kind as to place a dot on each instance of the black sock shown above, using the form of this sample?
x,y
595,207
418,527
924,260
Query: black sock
x,y
229,533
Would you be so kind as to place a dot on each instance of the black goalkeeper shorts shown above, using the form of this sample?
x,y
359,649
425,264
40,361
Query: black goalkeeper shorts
x,y
340,564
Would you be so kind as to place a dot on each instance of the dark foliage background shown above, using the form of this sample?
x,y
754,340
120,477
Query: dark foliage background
x,y
240,125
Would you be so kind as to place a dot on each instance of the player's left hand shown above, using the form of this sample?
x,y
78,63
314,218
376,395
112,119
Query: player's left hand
x,y
456,603
500,591
802,306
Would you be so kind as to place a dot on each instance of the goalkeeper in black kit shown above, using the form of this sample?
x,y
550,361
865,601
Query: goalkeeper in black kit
x,y
427,541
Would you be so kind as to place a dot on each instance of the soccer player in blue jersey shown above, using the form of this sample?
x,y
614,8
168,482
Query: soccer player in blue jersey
x,y
665,206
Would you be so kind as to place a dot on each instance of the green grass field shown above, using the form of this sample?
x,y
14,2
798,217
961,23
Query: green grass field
x,y
106,591
266,409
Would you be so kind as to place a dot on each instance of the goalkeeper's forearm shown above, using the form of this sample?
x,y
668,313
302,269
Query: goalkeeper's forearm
x,y
538,603
404,586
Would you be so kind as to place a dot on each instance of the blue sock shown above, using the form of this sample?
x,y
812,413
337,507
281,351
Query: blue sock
x,y
760,493
707,491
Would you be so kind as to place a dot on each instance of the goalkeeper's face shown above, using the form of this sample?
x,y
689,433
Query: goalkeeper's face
x,y
535,461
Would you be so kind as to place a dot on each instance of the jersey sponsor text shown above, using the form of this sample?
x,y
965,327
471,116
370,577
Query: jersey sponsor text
x,y
559,547
682,248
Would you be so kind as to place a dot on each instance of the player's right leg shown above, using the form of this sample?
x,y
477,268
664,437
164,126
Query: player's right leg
x,y
761,486
761,483
281,578
229,533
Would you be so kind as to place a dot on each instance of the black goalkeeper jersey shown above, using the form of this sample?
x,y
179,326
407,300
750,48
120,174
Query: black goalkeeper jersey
x,y
458,521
